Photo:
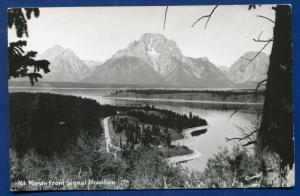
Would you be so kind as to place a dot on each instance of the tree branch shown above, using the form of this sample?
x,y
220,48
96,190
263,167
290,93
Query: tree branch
x,y
165,16
256,89
264,46
245,58
249,143
260,34
261,40
259,84
266,18
241,138
238,109
205,16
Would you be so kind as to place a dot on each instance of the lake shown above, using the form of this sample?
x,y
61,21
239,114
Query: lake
x,y
220,123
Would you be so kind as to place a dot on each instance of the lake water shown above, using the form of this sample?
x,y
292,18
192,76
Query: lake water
x,y
220,123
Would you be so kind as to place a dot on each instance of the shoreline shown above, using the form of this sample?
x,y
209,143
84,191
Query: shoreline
x,y
187,137
184,158
62,88
184,101
173,160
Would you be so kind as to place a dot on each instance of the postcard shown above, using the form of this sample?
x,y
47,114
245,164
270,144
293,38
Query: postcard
x,y
150,97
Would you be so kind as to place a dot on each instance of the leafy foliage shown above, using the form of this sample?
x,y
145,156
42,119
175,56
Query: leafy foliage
x,y
17,19
252,6
226,167
141,168
21,63
146,169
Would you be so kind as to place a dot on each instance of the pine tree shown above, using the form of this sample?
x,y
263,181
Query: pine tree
x,y
22,63
276,131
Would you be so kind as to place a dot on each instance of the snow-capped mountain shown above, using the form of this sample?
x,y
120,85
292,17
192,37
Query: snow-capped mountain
x,y
124,70
155,50
153,59
65,65
243,72
92,64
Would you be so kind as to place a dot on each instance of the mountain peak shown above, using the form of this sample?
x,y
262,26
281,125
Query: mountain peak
x,y
156,40
155,59
204,59
64,65
156,50
148,36
56,47
57,50
243,71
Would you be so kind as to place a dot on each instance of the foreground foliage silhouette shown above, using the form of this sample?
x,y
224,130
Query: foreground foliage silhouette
x,y
22,63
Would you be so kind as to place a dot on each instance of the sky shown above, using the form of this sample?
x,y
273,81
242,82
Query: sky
x,y
96,33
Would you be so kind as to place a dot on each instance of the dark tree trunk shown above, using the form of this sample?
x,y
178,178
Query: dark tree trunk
x,y
276,131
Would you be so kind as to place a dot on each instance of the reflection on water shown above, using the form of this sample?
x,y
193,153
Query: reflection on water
x,y
221,125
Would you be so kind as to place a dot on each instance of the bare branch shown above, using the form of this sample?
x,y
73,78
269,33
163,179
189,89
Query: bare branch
x,y
245,58
205,16
259,84
233,138
243,130
255,91
165,18
266,18
238,109
261,40
241,138
249,143
260,34
250,60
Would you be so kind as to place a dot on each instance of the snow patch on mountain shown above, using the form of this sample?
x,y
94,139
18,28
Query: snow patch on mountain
x,y
161,60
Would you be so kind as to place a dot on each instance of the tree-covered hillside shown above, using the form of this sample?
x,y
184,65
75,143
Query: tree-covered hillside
x,y
50,123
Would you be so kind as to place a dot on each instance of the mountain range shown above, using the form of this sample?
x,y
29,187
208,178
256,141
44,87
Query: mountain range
x,y
154,60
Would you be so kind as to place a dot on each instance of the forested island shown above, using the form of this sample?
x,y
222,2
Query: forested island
x,y
247,96
60,137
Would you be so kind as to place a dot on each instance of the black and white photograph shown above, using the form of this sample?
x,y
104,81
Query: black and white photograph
x,y
150,97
